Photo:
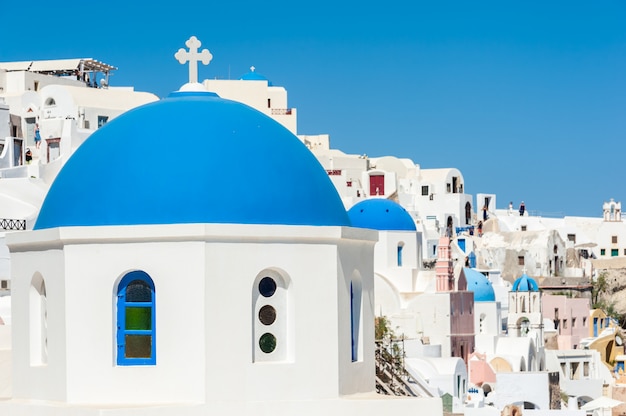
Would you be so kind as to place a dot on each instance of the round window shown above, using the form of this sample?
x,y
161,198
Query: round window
x,y
267,287
267,315
267,343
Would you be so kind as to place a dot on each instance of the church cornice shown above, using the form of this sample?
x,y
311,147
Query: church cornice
x,y
56,238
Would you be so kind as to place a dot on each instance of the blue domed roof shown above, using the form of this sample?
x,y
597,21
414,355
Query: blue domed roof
x,y
254,76
480,285
525,284
192,158
381,214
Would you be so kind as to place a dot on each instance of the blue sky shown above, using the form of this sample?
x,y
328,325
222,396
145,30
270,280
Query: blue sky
x,y
527,99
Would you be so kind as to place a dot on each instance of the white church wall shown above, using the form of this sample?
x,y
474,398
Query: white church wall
x,y
5,261
5,362
356,266
172,266
303,296
35,380
81,285
315,329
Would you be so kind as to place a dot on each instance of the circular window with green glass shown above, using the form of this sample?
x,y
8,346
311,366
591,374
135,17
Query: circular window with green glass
x,y
267,343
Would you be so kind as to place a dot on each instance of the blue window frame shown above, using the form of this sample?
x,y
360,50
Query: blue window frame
x,y
355,317
136,341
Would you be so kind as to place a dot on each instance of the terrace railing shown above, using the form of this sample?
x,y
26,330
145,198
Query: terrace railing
x,y
12,224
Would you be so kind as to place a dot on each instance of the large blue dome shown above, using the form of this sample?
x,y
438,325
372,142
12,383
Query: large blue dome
x,y
524,283
192,158
480,285
381,214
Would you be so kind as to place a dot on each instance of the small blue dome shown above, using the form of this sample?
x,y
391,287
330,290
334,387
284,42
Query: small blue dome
x,y
525,284
381,214
192,158
254,76
480,285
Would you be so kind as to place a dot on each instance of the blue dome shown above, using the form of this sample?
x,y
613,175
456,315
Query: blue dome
x,y
254,76
192,158
480,285
381,214
525,284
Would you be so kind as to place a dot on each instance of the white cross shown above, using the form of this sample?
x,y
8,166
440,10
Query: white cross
x,y
193,57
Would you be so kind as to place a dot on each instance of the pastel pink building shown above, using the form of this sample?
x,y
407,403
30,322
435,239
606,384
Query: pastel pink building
x,y
570,317
480,371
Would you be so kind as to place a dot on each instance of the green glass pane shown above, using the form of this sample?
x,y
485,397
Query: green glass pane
x,y
138,346
138,318
267,343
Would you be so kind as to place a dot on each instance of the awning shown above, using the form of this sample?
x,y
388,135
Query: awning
x,y
16,66
58,66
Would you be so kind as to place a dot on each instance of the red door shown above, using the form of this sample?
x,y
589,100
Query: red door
x,y
377,185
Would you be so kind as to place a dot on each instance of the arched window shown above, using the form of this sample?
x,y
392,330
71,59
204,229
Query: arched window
x,y
524,326
38,320
356,297
50,102
400,247
136,327
270,320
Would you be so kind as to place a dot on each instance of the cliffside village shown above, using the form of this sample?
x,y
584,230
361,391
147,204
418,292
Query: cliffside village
x,y
485,308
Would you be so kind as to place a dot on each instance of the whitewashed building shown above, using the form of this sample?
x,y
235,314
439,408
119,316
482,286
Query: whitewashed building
x,y
57,101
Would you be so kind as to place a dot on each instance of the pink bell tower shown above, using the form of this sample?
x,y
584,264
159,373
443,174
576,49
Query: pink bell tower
x,y
443,268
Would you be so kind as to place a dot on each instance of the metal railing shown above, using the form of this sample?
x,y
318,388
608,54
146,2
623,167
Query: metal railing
x,y
12,225
281,111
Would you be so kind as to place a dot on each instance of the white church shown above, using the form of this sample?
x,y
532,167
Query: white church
x,y
163,294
